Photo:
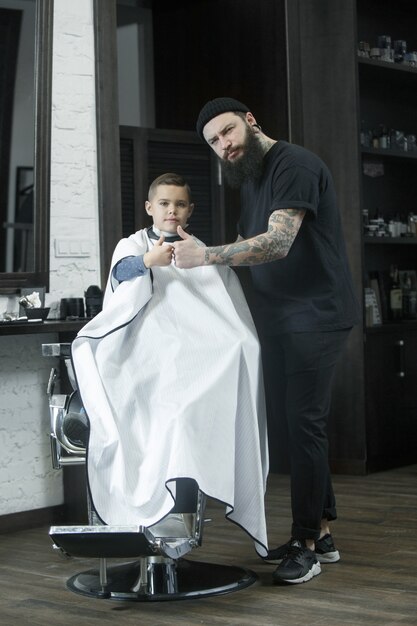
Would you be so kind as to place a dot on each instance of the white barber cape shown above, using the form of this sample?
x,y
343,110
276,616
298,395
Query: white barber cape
x,y
170,378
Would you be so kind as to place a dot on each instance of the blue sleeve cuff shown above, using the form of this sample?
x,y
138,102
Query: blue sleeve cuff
x,y
129,267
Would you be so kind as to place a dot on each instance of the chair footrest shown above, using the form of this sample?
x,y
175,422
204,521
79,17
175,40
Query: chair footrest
x,y
116,541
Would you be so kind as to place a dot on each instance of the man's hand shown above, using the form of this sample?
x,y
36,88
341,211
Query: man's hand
x,y
159,255
188,253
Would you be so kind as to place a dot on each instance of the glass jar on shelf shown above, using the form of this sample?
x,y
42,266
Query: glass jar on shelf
x,y
400,50
395,295
364,49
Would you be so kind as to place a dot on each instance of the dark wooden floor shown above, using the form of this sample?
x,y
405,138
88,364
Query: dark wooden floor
x,y
375,583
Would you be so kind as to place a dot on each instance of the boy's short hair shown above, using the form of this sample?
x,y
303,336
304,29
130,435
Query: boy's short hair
x,y
170,178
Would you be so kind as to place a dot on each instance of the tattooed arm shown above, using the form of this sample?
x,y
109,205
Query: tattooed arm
x,y
274,244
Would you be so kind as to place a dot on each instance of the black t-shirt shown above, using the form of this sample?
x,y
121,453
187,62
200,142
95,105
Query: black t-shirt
x,y
311,289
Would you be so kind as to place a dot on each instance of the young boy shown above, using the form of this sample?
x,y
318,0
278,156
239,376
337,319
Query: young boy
x,y
169,375
169,204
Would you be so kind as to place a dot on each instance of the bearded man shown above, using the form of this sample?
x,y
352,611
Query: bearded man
x,y
290,236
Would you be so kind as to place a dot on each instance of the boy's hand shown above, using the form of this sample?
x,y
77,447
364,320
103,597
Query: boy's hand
x,y
160,255
187,253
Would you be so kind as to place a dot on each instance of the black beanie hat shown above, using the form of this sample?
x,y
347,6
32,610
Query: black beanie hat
x,y
216,107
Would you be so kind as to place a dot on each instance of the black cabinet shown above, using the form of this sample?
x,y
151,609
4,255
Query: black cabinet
x,y
391,398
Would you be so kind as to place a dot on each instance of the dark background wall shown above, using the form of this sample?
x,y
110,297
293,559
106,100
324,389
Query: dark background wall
x,y
209,48
204,49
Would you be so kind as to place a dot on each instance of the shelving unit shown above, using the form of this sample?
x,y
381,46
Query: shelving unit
x,y
387,94
373,421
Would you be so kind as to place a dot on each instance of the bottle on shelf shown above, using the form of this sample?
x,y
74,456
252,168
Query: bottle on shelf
x,y
376,135
412,224
384,138
395,295
365,136
409,298
400,50
363,49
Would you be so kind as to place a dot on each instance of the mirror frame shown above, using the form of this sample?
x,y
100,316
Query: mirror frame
x,y
12,282
108,134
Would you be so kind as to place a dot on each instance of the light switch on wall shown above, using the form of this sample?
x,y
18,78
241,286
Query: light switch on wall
x,y
72,247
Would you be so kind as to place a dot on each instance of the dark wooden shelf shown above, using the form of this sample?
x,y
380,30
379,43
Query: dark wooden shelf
x,y
389,241
383,66
37,328
388,153
389,327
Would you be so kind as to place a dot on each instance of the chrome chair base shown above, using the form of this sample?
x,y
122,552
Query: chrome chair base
x,y
163,579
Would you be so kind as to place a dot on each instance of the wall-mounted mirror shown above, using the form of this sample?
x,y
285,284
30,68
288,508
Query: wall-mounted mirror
x,y
25,115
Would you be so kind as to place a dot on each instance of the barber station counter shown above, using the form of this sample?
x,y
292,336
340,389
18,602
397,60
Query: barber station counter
x,y
36,328
31,488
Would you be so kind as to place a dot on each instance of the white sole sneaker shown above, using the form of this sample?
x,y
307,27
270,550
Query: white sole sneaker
x,y
328,557
315,571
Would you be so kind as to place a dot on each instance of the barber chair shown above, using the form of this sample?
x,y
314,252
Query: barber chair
x,y
153,567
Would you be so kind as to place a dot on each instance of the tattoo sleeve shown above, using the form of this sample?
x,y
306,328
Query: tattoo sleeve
x,y
274,244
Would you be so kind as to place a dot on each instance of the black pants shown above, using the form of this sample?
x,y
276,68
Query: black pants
x,y
298,371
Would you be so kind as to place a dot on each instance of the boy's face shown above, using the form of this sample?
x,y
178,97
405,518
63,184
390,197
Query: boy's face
x,y
170,207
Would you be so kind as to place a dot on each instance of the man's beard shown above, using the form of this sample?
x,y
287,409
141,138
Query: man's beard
x,y
247,167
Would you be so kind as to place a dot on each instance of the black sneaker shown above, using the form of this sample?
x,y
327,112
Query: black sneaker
x,y
299,565
325,550
275,556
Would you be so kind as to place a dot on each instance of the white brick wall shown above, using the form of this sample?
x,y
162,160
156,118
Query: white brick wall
x,y
26,479
73,160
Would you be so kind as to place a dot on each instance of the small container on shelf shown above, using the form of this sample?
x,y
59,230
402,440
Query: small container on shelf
x,y
395,295
393,228
365,136
411,143
37,313
375,54
410,59
386,51
384,138
384,41
397,139
409,295
400,50
363,49
412,224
